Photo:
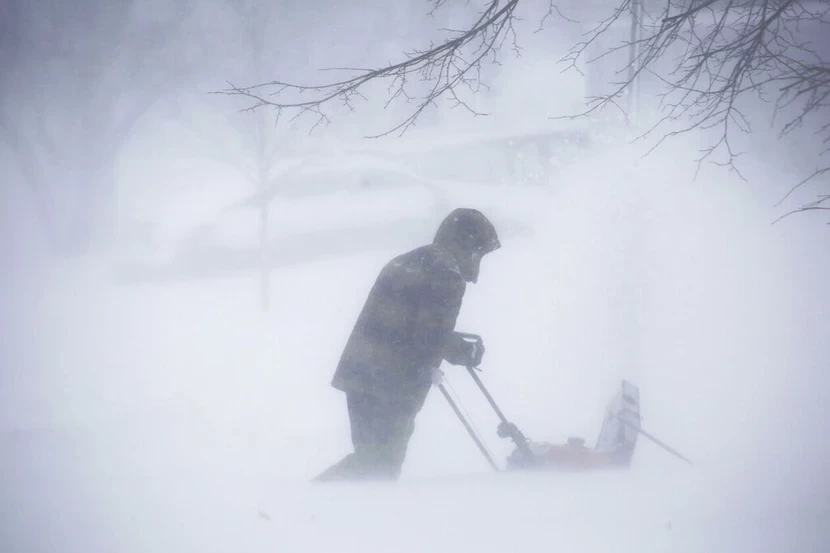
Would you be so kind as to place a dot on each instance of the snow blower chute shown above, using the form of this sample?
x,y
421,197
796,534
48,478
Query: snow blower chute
x,y
614,447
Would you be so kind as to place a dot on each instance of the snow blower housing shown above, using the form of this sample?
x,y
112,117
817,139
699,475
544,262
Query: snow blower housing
x,y
614,447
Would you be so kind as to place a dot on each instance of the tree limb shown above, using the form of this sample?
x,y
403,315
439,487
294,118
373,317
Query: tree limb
x,y
440,70
729,50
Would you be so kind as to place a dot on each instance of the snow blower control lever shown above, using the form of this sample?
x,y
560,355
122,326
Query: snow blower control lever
x,y
506,429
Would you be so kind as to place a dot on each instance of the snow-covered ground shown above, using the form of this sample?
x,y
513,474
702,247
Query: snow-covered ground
x,y
179,418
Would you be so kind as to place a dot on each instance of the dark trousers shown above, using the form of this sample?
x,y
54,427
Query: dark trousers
x,y
381,429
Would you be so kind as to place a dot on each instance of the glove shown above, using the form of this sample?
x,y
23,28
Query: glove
x,y
460,351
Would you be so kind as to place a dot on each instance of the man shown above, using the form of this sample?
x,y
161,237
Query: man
x,y
403,333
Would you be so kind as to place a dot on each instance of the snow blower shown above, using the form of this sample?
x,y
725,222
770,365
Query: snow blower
x,y
614,447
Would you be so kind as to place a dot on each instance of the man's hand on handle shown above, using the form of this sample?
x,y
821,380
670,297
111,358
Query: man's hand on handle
x,y
464,349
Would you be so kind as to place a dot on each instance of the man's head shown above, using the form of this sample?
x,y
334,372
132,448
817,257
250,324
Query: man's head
x,y
469,236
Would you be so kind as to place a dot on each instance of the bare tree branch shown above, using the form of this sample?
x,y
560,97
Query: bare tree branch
x,y
553,9
441,71
712,57
728,51
812,206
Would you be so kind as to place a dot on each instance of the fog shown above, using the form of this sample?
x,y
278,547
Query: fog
x,y
157,393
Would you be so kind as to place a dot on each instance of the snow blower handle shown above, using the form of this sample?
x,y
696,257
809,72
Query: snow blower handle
x,y
467,426
506,428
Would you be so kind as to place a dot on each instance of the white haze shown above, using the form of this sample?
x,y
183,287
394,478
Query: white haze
x,y
178,417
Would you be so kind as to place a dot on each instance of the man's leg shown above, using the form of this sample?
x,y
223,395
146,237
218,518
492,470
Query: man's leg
x,y
379,434
371,429
381,430
348,467
381,442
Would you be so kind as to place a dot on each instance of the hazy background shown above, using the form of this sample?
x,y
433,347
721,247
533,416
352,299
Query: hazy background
x,y
150,402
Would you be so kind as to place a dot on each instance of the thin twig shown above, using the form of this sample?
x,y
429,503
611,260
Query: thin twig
x,y
423,77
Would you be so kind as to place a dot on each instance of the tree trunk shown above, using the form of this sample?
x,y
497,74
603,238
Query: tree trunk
x,y
264,254
633,53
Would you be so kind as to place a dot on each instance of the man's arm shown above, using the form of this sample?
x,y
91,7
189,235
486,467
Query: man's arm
x,y
439,303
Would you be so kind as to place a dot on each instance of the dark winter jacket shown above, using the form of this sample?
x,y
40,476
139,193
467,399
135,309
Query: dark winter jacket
x,y
403,330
